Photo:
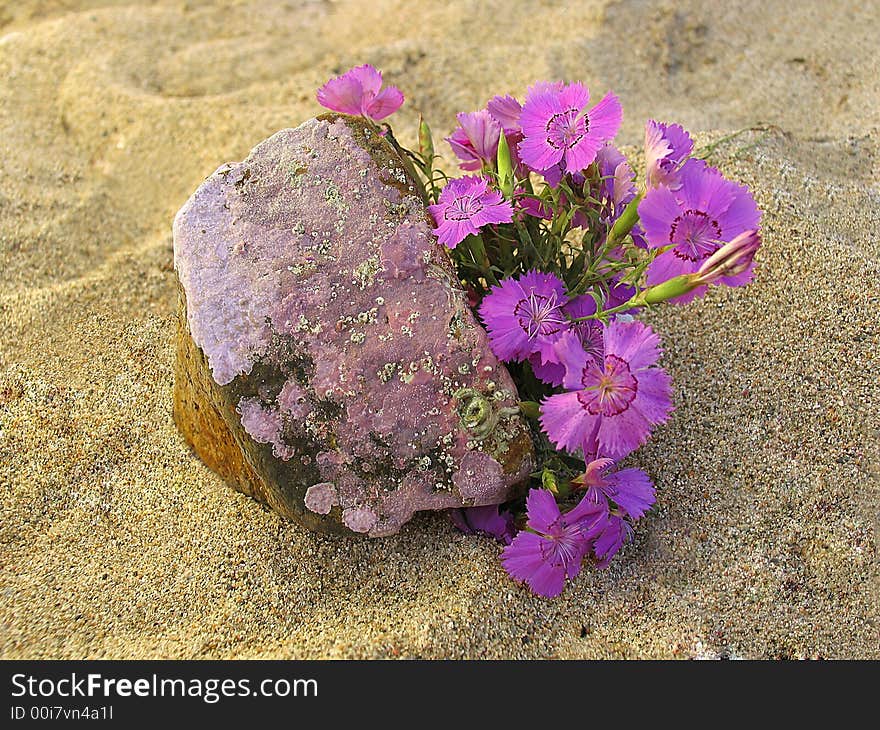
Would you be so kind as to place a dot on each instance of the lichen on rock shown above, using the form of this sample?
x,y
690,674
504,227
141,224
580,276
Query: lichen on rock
x,y
324,329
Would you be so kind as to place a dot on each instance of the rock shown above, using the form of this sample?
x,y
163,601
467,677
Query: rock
x,y
328,363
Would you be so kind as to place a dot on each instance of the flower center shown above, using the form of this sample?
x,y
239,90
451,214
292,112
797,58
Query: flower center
x,y
566,129
608,391
696,236
563,546
539,314
463,208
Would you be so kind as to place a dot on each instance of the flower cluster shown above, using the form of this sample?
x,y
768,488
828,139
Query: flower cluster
x,y
560,249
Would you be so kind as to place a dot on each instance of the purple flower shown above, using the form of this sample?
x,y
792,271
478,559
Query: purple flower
x,y
611,405
632,493
547,365
666,148
525,316
465,205
475,141
359,91
506,110
555,547
630,489
557,127
697,219
486,520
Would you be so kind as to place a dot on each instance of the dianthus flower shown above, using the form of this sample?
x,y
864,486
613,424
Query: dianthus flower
x,y
475,140
525,316
617,188
696,220
611,405
731,260
630,489
506,111
613,533
546,364
359,91
554,546
558,128
465,205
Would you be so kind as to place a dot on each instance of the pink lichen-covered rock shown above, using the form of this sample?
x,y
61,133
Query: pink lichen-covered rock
x,y
328,363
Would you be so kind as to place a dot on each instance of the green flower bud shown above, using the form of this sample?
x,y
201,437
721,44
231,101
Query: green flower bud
x,y
426,143
669,289
627,220
530,409
505,168
549,481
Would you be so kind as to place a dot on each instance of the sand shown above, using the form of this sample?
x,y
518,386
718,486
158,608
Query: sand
x,y
115,541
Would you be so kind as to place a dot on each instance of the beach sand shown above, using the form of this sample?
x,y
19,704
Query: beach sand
x,y
116,542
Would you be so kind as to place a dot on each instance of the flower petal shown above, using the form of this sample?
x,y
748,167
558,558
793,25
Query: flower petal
x,y
656,212
385,103
574,96
605,118
342,94
704,188
634,342
368,77
622,434
654,399
632,490
742,214
566,422
571,355
506,111
542,510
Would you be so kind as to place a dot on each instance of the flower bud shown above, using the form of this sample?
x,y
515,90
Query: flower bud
x,y
731,259
549,482
530,409
626,221
669,289
505,168
426,143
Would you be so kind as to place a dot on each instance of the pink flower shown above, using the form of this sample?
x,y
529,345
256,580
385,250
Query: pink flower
x,y
611,405
475,141
506,111
558,128
359,91
614,532
546,364
465,205
554,547
617,188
